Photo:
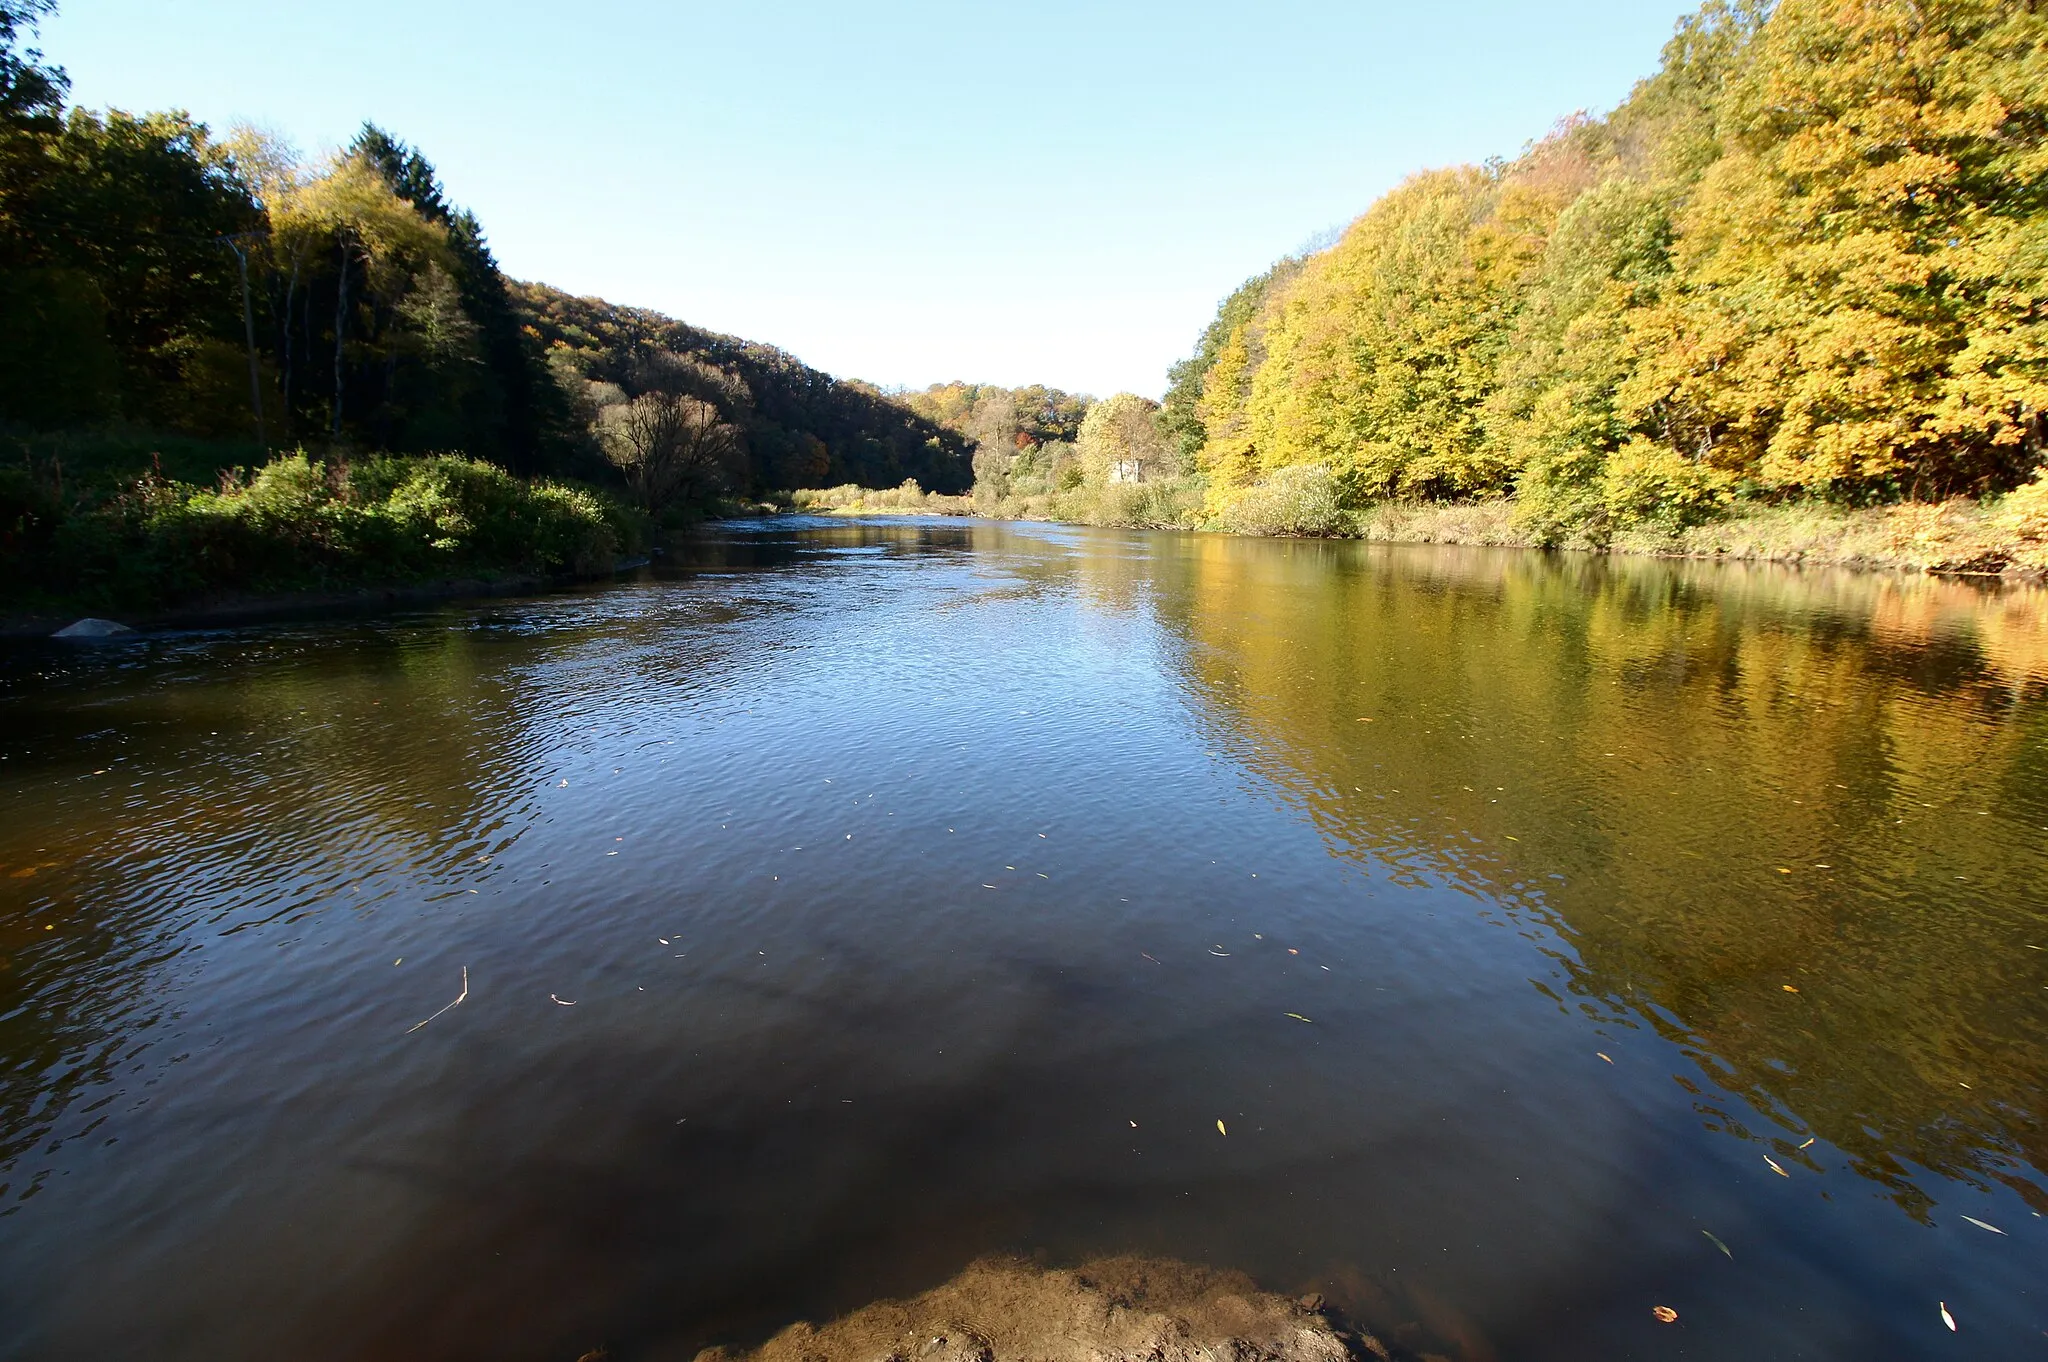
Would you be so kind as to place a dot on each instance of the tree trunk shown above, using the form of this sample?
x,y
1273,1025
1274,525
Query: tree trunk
x,y
249,332
340,326
284,378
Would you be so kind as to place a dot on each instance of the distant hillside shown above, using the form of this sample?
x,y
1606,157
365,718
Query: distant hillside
x,y
802,427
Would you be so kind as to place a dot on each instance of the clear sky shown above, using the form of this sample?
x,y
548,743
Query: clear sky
x,y
904,192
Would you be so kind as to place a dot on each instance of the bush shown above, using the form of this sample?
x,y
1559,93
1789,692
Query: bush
x,y
907,499
1300,500
1647,483
298,524
2023,512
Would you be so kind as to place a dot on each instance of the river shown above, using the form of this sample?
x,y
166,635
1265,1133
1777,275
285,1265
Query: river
x,y
1502,944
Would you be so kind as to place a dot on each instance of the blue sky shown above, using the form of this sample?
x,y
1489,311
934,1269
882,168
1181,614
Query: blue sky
x,y
903,192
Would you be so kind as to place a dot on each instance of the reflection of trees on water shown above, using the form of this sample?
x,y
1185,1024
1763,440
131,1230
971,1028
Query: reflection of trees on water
x,y
250,780
1713,783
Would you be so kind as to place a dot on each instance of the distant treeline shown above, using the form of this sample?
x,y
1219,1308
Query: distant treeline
x,y
799,427
156,275
1806,259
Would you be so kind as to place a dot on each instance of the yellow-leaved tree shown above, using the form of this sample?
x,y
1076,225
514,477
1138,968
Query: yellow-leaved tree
x,y
1859,275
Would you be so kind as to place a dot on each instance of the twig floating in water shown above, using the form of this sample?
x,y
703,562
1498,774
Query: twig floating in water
x,y
457,1003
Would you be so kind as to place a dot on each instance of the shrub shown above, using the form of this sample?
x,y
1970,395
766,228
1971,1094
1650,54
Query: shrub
x,y
1300,500
297,523
1647,483
2023,512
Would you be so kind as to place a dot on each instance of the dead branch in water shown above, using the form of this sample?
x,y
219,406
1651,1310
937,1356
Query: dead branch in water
x,y
457,1003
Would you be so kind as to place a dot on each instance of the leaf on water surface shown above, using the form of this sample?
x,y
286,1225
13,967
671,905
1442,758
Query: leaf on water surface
x,y
1809,1140
1298,1017
1219,1128
1982,1226
1664,1314
1219,951
1788,988
1774,1167
563,1001
1715,1240
1603,1055
1292,951
1947,1318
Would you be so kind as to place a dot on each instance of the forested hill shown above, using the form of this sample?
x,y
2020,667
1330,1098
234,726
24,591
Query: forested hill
x,y
801,427
1807,259
163,278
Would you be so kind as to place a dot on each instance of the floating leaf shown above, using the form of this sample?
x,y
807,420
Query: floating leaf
x,y
1774,1167
563,1001
1603,1056
1789,989
1809,1140
1982,1226
1297,1016
1219,1128
1664,1314
1713,1239
1947,1318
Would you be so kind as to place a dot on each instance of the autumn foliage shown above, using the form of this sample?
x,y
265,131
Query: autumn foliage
x,y
1807,258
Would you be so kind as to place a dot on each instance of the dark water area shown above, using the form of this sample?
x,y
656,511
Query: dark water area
x,y
1552,938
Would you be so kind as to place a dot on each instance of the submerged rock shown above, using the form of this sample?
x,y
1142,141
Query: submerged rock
x,y
1113,1310
92,628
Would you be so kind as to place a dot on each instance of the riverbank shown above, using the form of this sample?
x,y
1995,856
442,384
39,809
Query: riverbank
x,y
1007,1310
2007,538
293,533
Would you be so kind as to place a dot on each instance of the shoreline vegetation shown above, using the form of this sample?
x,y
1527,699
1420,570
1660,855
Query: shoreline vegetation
x,y
1990,538
1787,301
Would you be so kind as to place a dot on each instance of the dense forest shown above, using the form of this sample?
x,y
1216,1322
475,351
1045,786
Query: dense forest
x,y
184,306
1806,260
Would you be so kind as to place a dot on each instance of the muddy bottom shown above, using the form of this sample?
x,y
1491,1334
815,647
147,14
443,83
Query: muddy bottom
x,y
1008,1310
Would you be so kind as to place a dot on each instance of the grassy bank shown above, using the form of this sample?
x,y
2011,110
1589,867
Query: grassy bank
x,y
2003,535
1953,536
81,530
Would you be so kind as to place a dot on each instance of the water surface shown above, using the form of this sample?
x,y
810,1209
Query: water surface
x,y
1500,944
